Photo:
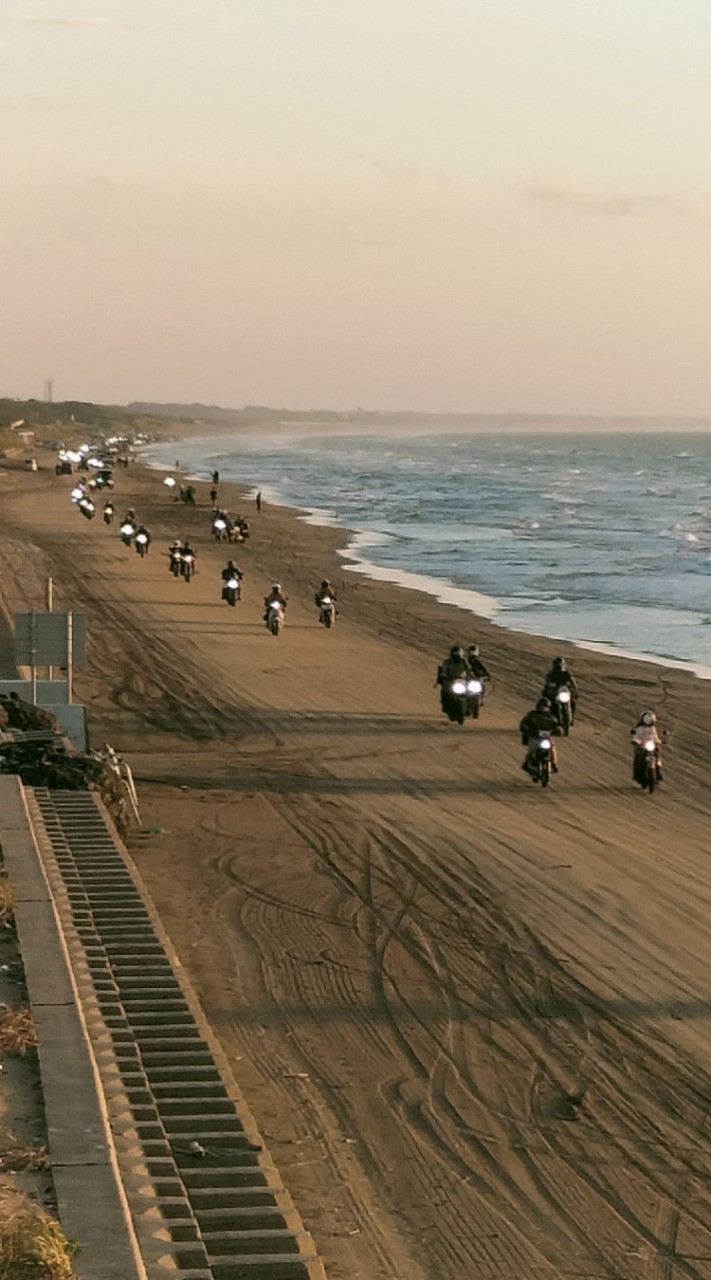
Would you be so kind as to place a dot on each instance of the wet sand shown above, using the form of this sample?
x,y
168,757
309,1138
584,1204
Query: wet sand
x,y
472,1018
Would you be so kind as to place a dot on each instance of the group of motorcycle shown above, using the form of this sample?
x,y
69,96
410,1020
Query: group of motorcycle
x,y
181,560
462,680
131,532
225,529
463,677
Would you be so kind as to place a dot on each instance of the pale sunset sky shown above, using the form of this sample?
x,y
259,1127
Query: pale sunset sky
x,y
463,205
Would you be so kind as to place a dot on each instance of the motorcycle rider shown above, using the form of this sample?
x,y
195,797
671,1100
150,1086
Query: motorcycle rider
x,y
108,511
276,594
231,571
645,731
142,529
560,677
477,667
325,590
455,667
539,723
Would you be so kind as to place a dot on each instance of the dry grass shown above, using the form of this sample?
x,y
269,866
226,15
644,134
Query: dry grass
x,y
7,910
22,1157
32,1245
17,1030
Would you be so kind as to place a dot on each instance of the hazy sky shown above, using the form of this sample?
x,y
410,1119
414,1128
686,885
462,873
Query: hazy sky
x,y
481,205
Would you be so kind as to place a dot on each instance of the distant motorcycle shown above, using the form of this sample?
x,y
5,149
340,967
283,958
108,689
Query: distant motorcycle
x,y
646,765
187,565
275,617
455,700
475,696
327,612
540,761
174,559
142,544
232,591
108,514
127,532
563,709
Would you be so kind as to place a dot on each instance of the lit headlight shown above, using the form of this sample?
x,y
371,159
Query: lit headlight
x,y
650,745
459,687
474,686
545,744
563,695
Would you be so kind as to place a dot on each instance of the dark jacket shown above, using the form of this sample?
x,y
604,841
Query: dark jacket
x,y
555,680
228,573
477,667
536,724
452,669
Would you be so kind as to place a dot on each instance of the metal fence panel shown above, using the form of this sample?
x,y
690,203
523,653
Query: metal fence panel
x,y
41,639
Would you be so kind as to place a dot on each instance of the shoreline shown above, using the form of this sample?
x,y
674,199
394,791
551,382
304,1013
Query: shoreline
x,y
444,592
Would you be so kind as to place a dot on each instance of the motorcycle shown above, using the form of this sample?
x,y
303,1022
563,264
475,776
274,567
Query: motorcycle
x,y
563,708
646,765
187,565
475,695
142,544
108,515
175,559
455,700
232,591
127,532
539,761
275,617
219,530
327,612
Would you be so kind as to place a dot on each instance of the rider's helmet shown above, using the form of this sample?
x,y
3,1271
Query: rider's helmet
x,y
176,542
543,705
325,583
456,651
648,718
473,650
231,564
559,664
276,586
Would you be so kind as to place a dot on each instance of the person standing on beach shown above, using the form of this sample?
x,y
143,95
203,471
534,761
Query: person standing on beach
x,y
213,498
215,477
258,500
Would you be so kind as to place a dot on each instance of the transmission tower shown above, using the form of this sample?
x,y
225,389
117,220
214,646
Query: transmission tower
x,y
49,390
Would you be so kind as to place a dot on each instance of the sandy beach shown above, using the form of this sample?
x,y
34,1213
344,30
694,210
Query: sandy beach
x,y
471,1018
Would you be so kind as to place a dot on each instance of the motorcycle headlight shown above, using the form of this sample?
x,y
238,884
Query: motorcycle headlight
x,y
650,745
474,686
545,744
459,687
233,583
563,695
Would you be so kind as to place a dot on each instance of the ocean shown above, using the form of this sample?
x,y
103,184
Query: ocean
x,y
601,540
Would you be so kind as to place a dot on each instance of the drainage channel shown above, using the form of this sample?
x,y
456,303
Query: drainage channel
x,y
205,1199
